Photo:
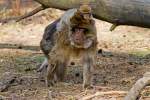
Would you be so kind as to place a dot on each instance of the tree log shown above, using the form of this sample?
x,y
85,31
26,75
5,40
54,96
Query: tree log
x,y
118,12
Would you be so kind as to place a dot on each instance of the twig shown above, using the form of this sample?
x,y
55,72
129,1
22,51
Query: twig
x,y
31,13
17,19
113,27
7,84
102,94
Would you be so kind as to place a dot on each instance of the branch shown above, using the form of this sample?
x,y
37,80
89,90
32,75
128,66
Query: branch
x,y
38,9
102,94
17,19
6,81
137,87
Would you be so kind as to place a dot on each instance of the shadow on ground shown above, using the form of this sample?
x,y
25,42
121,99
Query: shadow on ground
x,y
115,70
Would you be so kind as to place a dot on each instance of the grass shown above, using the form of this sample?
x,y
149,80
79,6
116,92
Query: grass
x,y
28,63
140,53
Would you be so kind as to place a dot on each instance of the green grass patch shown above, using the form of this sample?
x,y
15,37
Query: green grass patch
x,y
26,63
39,59
140,53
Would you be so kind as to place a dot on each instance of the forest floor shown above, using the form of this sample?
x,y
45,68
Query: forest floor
x,y
123,58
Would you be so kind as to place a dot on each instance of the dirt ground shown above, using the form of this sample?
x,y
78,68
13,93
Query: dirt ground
x,y
123,57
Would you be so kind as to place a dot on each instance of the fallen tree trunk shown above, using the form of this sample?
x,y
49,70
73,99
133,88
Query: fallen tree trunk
x,y
118,12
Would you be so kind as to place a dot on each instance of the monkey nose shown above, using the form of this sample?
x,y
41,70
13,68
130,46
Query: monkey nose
x,y
87,16
78,40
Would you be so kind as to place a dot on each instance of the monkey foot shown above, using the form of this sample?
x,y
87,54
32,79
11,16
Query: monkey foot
x,y
50,83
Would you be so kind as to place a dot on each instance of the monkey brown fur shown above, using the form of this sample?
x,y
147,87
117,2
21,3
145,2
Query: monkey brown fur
x,y
75,36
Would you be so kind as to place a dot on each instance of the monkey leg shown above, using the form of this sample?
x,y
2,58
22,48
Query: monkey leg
x,y
55,73
51,75
46,46
60,70
87,72
44,65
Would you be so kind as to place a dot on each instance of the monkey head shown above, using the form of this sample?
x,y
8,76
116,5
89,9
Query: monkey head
x,y
82,15
80,37
81,26
85,11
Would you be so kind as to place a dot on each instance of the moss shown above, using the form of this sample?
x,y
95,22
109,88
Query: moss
x,y
140,53
39,59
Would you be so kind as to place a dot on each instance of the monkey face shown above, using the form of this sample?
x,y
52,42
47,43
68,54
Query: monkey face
x,y
85,12
87,16
79,38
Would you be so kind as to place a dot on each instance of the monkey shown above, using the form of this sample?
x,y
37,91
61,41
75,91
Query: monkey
x,y
73,35
47,41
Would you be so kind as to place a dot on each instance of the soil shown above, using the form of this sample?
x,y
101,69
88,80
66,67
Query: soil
x,y
123,57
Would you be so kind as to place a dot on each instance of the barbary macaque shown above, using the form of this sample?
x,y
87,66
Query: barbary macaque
x,y
73,35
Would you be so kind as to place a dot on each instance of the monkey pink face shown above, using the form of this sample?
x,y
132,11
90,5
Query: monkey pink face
x,y
78,36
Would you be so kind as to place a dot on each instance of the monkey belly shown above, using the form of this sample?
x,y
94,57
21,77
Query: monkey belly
x,y
78,53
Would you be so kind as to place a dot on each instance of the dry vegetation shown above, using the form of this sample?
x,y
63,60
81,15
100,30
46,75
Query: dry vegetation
x,y
125,57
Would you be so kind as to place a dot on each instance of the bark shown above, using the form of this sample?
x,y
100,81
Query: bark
x,y
118,12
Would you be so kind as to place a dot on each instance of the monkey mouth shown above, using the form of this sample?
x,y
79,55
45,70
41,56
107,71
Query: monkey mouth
x,y
87,44
78,37
87,16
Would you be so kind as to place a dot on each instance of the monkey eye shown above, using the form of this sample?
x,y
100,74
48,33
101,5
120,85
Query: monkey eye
x,y
86,14
81,29
85,30
73,29
76,29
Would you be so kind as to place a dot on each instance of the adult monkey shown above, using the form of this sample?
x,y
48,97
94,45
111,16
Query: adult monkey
x,y
73,35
